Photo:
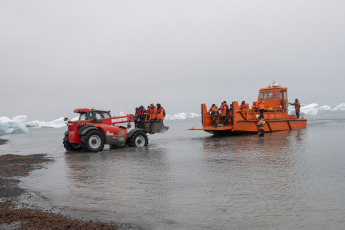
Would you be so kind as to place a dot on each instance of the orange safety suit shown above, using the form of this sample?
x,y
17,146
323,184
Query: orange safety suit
x,y
159,114
261,105
152,113
223,109
210,110
261,127
254,106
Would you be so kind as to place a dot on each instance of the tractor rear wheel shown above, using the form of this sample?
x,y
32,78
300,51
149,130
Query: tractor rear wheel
x,y
138,139
68,146
92,141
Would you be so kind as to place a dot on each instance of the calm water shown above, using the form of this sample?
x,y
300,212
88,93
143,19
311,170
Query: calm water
x,y
191,180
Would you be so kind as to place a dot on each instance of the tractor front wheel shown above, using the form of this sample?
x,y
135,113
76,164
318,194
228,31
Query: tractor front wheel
x,y
138,139
68,146
92,141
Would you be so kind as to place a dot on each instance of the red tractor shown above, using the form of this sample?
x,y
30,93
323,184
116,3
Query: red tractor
x,y
95,128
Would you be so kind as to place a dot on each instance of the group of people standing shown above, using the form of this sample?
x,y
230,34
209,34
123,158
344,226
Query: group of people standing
x,y
152,113
224,111
258,106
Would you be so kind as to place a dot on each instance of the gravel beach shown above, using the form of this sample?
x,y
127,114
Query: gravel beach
x,y
12,167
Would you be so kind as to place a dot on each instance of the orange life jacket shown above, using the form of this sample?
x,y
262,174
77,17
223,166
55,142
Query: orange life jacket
x,y
223,109
159,114
215,110
261,105
152,113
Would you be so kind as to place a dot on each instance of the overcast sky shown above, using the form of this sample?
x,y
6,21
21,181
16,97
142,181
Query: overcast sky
x,y
56,56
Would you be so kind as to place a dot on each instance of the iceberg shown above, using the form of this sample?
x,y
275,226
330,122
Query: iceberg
x,y
57,123
13,126
325,108
310,109
340,107
182,116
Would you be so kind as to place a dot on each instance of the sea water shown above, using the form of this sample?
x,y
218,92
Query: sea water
x,y
193,180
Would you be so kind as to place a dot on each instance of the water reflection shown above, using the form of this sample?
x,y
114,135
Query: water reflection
x,y
251,174
133,180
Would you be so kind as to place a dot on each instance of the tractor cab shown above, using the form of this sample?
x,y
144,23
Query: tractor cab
x,y
90,114
274,97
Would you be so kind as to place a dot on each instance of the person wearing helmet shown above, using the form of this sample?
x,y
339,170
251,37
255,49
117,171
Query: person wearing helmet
x,y
159,112
297,107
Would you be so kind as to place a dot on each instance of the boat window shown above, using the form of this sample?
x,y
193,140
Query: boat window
x,y
261,95
268,95
82,117
275,95
280,95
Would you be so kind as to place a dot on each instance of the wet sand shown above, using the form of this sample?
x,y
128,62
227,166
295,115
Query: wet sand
x,y
26,218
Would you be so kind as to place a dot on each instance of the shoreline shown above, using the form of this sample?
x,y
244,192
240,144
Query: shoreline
x,y
13,167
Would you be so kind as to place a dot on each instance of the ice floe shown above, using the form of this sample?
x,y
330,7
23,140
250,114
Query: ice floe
x,y
15,125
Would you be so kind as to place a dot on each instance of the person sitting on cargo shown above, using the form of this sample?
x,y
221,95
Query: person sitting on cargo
x,y
297,107
152,112
159,112
147,118
142,112
224,113
214,114
210,110
261,126
261,108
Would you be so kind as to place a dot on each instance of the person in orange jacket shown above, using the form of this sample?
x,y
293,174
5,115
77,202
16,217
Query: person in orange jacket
x,y
254,107
297,107
243,107
214,114
152,115
210,110
159,112
224,113
261,126
261,108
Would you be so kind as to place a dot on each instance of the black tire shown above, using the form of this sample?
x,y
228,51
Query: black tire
x,y
93,141
138,139
70,147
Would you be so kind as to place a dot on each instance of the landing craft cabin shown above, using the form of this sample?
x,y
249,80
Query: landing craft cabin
x,y
276,115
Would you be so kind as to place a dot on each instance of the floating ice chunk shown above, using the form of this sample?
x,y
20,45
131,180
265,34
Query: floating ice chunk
x,y
75,119
340,107
310,109
16,125
325,108
58,123
182,116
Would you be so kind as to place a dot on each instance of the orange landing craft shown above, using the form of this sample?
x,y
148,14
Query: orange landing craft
x,y
241,121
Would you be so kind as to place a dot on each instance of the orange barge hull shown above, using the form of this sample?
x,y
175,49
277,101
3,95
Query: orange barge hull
x,y
244,121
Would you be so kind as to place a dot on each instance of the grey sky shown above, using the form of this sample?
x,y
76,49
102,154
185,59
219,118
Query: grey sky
x,y
114,55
